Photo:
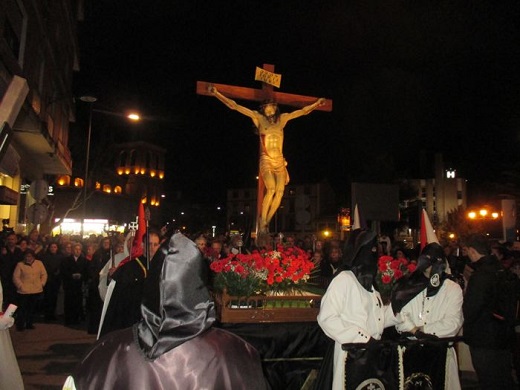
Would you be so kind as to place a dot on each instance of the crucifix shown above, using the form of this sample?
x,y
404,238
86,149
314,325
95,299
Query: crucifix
x,y
273,175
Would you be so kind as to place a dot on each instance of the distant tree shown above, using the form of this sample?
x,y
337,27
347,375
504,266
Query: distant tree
x,y
457,222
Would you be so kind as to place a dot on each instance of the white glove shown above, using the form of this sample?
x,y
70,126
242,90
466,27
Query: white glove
x,y
6,322
407,324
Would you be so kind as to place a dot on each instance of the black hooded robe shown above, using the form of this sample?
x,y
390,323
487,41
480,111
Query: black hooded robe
x,y
175,345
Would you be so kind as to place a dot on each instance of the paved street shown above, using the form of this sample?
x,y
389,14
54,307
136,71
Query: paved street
x,y
47,354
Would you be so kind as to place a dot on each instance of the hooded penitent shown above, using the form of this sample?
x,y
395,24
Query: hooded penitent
x,y
360,256
176,304
174,346
408,287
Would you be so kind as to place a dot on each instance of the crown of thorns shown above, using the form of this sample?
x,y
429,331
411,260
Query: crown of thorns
x,y
269,102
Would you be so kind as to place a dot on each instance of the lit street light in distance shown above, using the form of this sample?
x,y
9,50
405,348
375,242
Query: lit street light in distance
x,y
132,115
91,100
486,220
483,213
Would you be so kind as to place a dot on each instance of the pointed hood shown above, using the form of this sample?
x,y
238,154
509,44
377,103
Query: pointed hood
x,y
408,287
427,234
359,223
433,255
360,256
176,304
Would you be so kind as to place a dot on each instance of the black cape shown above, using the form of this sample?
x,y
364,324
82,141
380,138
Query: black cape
x,y
174,346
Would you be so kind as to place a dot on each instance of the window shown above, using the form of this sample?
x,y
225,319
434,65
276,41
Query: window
x,y
450,174
12,40
133,158
122,158
64,181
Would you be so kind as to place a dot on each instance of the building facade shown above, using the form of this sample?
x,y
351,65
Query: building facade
x,y
305,208
134,174
39,54
441,194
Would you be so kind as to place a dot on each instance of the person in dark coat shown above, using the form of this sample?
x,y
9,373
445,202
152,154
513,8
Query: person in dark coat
x,y
174,345
124,306
74,274
490,340
94,303
330,265
10,255
51,259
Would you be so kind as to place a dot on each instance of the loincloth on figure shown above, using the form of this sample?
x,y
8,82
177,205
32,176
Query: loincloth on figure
x,y
274,164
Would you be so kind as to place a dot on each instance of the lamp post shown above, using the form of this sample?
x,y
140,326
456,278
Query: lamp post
x,y
132,116
486,219
91,100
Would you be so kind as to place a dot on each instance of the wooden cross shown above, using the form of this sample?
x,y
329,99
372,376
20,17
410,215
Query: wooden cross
x,y
261,95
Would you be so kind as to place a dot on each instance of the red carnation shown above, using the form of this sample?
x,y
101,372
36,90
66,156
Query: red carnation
x,y
394,264
386,279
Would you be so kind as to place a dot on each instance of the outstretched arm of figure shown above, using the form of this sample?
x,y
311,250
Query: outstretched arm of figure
x,y
232,104
305,110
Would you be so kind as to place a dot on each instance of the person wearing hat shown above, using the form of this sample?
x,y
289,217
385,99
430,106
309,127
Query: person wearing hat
x,y
29,277
174,345
430,304
352,310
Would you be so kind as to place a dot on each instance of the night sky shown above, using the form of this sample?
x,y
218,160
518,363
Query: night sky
x,y
408,79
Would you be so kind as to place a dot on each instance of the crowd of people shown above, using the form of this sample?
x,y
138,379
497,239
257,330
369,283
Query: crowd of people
x,y
57,278
450,293
37,270
453,291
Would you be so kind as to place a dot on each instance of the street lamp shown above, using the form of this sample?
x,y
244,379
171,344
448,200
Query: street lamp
x,y
91,100
483,213
133,116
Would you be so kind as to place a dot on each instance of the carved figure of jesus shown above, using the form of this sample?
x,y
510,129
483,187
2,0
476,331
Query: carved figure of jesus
x,y
273,167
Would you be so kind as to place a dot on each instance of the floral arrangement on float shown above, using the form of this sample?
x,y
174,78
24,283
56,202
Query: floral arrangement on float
x,y
389,271
268,272
266,286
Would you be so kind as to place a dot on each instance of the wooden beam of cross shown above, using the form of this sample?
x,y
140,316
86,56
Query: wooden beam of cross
x,y
261,95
